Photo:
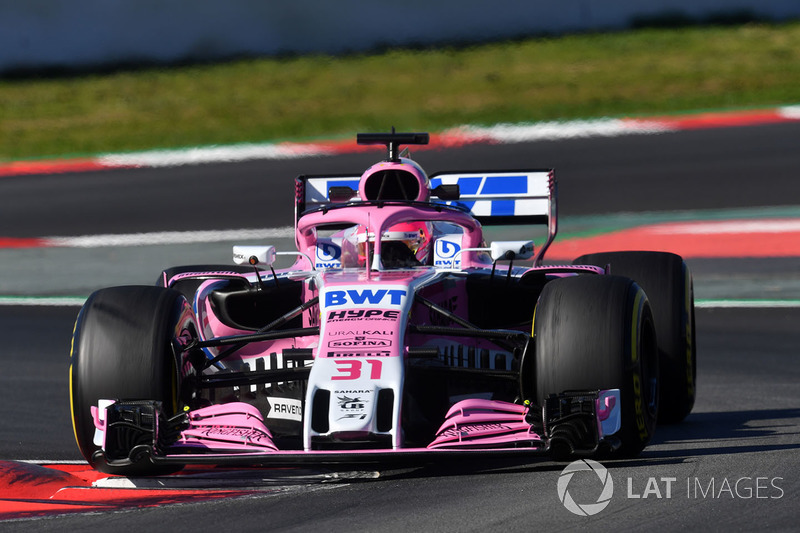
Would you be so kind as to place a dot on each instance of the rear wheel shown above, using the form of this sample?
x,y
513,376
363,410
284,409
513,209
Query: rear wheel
x,y
667,281
126,345
596,333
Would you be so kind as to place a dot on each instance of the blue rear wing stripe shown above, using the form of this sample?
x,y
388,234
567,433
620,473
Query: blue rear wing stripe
x,y
505,185
523,197
502,208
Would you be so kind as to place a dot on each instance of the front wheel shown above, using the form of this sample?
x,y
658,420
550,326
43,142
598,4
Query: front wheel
x,y
597,333
127,345
667,280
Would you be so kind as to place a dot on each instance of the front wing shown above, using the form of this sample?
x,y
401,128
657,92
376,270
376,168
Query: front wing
x,y
571,424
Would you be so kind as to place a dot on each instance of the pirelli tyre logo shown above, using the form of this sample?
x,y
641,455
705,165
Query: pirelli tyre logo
x,y
381,353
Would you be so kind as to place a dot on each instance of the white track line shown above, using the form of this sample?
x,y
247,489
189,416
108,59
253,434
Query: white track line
x,y
214,154
542,131
169,237
503,133
42,301
728,226
745,304
790,112
499,133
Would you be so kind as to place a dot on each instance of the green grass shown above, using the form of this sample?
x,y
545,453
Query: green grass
x,y
651,71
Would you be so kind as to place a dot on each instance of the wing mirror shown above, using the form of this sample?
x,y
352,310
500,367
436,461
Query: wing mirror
x,y
511,250
254,255
447,192
341,193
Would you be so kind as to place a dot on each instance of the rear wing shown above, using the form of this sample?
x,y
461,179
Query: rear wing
x,y
497,198
493,198
506,198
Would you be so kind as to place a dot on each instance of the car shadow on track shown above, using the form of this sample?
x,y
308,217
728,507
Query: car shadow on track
x,y
725,433
701,434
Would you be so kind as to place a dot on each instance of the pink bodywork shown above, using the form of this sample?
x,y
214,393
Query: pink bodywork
x,y
485,423
386,299
232,427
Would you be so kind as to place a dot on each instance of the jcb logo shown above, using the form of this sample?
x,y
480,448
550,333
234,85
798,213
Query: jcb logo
x,y
392,297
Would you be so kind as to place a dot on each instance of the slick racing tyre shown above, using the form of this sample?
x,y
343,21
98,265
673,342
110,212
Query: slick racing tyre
x,y
667,281
125,346
597,333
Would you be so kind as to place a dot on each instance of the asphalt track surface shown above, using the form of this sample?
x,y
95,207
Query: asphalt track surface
x,y
701,169
731,465
743,431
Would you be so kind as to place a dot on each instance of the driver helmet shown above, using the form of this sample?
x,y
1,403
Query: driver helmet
x,y
415,236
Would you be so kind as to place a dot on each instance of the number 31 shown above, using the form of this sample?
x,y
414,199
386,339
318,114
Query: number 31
x,y
351,368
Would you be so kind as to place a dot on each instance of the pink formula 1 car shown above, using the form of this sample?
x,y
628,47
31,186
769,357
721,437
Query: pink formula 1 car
x,y
396,333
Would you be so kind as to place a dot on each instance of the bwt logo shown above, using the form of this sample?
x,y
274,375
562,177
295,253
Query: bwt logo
x,y
328,251
328,255
446,254
365,296
446,249
357,314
